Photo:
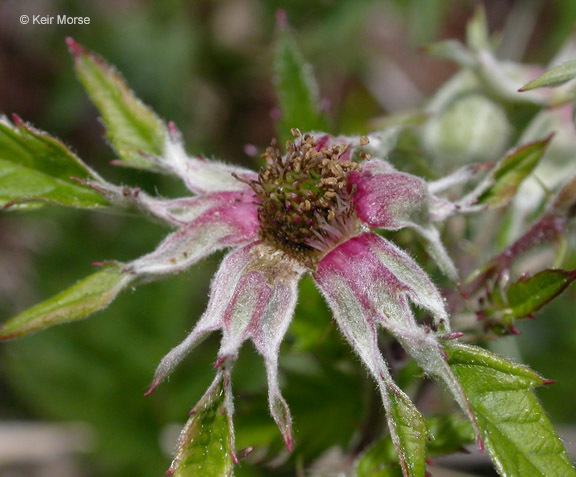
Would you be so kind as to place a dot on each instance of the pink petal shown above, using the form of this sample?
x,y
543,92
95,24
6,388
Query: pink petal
x,y
253,295
327,141
390,200
387,199
356,319
221,292
243,312
376,289
267,337
378,166
261,308
261,302
381,274
218,221
185,210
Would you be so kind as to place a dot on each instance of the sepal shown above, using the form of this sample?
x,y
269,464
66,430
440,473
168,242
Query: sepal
x,y
206,444
253,296
223,220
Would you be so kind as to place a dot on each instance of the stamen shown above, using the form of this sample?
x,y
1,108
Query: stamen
x,y
304,199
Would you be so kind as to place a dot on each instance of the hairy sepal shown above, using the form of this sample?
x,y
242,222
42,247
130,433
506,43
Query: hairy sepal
x,y
253,296
222,220
351,296
377,291
200,175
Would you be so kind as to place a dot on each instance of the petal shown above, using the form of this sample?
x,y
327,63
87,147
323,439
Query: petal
x,y
278,406
222,289
352,313
267,337
202,176
386,199
382,272
253,295
376,290
261,302
246,307
378,166
261,308
390,200
185,210
224,220
380,143
354,320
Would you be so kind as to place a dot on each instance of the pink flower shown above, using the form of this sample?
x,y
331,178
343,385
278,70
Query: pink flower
x,y
310,210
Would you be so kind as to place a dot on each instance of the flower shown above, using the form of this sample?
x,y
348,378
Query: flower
x,y
311,210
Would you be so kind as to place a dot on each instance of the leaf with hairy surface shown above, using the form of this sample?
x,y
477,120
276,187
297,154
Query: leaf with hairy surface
x,y
514,427
35,168
132,127
205,444
448,434
527,296
554,77
86,297
411,433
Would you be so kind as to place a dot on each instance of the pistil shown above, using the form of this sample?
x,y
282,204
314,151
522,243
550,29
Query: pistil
x,y
304,196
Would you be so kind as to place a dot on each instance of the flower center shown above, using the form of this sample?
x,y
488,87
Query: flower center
x,y
305,199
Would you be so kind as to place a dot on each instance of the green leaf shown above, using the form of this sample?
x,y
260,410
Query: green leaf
x,y
204,447
36,168
515,430
411,432
510,173
22,188
555,77
410,429
86,297
448,434
132,127
379,461
528,295
296,88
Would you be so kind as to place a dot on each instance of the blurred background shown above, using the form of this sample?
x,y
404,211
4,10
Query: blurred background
x,y
71,399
